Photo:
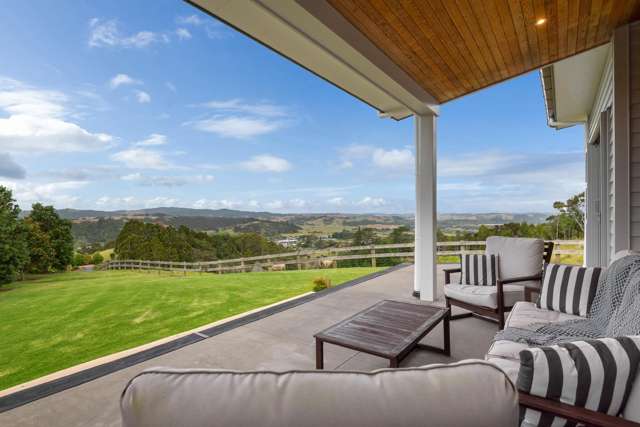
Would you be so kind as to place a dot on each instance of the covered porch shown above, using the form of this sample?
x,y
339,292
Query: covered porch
x,y
282,341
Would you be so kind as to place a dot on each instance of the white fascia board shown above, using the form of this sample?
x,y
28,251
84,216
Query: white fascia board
x,y
576,82
291,30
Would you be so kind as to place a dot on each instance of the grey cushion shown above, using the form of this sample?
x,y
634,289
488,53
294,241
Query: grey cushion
x,y
468,393
485,296
518,256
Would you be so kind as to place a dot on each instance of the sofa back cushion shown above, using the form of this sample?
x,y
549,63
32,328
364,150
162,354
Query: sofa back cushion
x,y
480,270
519,257
468,393
593,374
568,288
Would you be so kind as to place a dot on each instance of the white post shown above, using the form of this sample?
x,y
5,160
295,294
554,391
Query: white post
x,y
425,225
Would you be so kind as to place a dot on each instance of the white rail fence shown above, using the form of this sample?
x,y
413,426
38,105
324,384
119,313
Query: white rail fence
x,y
320,258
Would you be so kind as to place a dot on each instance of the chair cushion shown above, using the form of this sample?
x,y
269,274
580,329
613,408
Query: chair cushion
x,y
485,296
389,397
592,374
508,366
518,256
568,288
480,270
525,313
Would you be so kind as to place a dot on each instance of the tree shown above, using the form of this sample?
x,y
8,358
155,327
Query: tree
x,y
573,209
14,252
50,240
97,258
364,237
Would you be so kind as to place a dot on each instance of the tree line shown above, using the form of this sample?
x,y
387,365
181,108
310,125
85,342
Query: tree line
x,y
39,243
159,242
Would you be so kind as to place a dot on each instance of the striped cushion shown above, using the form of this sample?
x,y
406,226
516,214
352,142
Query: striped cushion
x,y
568,289
479,270
593,374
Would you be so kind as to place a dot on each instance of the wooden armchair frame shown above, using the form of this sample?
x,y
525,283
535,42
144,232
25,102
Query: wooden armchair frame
x,y
496,314
573,413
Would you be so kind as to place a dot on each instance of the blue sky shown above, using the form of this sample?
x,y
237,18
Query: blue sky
x,y
115,105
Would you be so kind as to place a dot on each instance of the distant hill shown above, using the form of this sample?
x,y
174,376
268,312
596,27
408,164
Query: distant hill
x,y
100,227
165,211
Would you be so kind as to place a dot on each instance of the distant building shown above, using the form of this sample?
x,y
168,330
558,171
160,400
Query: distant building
x,y
287,243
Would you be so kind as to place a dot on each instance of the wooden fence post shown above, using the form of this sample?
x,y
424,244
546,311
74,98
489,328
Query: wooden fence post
x,y
373,256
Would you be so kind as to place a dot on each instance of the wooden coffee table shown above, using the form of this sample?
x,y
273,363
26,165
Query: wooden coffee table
x,y
389,329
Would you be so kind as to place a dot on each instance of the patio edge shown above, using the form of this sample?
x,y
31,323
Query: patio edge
x,y
31,394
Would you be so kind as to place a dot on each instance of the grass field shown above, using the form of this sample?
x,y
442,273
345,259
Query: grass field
x,y
56,321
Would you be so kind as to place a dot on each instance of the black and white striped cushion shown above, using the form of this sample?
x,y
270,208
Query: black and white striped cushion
x,y
479,270
593,374
568,288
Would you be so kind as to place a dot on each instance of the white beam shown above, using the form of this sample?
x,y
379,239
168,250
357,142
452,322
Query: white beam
x,y
425,225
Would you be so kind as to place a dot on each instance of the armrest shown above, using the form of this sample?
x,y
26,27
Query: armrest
x,y
521,279
573,413
449,271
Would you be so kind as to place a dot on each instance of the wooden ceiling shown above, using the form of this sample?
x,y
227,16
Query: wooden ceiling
x,y
454,47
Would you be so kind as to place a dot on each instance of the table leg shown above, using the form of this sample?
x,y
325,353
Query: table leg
x,y
447,336
319,354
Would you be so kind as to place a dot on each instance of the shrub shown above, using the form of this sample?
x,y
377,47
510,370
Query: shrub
x,y
97,258
321,283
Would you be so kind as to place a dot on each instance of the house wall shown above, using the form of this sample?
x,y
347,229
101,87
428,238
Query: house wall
x,y
634,131
613,153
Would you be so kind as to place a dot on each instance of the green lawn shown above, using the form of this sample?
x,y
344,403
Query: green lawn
x,y
56,321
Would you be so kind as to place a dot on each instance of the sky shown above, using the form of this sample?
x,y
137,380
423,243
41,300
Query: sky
x,y
116,105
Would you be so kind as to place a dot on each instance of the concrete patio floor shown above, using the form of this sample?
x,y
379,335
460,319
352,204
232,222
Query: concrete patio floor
x,y
279,342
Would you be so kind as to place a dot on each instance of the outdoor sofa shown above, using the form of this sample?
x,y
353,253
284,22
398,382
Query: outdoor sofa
x,y
515,385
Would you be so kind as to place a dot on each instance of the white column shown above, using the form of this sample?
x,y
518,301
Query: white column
x,y
426,227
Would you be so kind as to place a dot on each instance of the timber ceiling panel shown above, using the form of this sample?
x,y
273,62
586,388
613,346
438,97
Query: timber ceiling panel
x,y
454,47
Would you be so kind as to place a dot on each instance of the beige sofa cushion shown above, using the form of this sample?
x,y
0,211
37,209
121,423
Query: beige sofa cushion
x,y
486,296
468,393
518,256
524,313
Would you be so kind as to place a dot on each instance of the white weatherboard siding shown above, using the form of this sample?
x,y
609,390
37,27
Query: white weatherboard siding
x,y
613,167
599,172
634,131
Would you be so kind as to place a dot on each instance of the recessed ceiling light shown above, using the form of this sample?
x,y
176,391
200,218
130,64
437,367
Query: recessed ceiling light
x,y
541,21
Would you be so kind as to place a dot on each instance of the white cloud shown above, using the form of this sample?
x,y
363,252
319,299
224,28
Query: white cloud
x,y
213,29
508,182
143,97
190,20
39,121
394,160
153,139
141,158
116,202
237,127
167,180
236,119
236,105
27,193
398,160
122,79
336,201
266,163
372,202
183,34
298,203
275,204
216,204
39,134
160,201
108,34
10,169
